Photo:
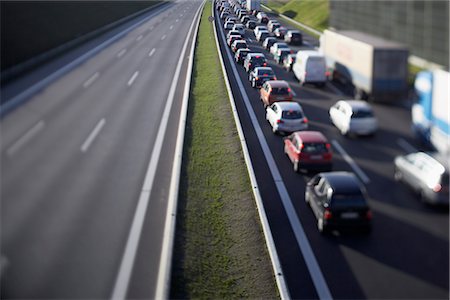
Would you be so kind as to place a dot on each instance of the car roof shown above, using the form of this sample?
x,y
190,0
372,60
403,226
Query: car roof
x,y
256,54
243,50
277,83
342,182
435,161
288,105
280,43
264,69
309,136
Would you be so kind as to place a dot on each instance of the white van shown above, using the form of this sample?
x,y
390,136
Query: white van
x,y
310,67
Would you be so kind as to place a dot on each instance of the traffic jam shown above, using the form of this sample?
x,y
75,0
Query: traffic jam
x,y
354,152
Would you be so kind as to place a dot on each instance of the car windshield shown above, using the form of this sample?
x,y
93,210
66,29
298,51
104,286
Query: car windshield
x,y
280,91
360,114
292,114
314,148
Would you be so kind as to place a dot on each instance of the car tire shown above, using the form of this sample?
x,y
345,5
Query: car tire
x,y
320,226
398,175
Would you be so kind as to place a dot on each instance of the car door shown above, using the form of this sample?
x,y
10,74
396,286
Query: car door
x,y
319,197
272,112
292,148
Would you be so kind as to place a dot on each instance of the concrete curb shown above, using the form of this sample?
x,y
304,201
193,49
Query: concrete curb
x,y
279,276
46,56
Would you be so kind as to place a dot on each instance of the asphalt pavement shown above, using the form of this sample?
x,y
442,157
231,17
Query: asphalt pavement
x,y
74,158
407,254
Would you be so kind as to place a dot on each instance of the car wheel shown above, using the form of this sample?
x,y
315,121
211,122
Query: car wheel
x,y
320,226
274,130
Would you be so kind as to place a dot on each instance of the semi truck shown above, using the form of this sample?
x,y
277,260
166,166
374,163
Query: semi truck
x,y
376,68
431,114
253,5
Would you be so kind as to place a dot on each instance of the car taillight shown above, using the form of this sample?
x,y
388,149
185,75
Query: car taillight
x,y
289,90
305,120
264,64
437,188
328,146
369,215
327,215
274,77
280,121
327,73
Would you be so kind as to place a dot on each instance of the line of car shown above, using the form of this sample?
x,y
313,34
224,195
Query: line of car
x,y
337,199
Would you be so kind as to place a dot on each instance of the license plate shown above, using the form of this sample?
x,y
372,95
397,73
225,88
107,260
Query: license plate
x,y
349,215
316,156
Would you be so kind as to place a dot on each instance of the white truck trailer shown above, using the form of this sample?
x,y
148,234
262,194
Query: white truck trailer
x,y
253,5
431,112
377,68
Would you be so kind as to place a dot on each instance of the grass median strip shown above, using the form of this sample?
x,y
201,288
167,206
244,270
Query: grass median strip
x,y
219,246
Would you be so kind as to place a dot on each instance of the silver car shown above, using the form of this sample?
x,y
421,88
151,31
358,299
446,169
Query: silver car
x,y
426,174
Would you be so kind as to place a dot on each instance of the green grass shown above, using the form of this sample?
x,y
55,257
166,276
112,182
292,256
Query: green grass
x,y
219,247
314,13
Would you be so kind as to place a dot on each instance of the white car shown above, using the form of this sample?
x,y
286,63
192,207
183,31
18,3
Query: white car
x,y
240,28
277,46
228,25
258,28
353,117
286,117
232,32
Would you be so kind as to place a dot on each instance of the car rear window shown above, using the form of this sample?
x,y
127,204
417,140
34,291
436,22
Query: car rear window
x,y
258,60
359,114
282,46
292,114
348,200
280,91
314,148
265,73
296,35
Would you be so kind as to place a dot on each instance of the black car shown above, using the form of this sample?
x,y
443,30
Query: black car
x,y
293,37
259,75
251,24
253,60
338,201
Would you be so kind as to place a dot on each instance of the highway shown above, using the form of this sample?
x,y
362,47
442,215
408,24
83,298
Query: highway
x,y
87,160
407,254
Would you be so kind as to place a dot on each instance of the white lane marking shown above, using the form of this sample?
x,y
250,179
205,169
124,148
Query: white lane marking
x,y
406,146
25,138
121,52
276,265
133,78
171,27
351,162
129,256
94,133
300,235
139,38
163,37
151,52
60,72
163,282
91,80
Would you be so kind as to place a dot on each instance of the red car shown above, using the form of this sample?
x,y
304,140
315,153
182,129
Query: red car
x,y
309,150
